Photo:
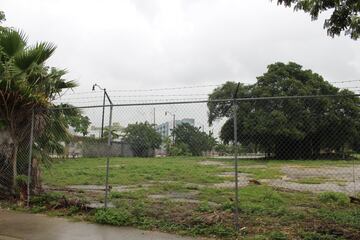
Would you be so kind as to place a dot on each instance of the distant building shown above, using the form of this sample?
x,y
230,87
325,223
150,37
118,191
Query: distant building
x,y
165,128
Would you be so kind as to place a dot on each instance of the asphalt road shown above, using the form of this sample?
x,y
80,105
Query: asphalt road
x,y
15,225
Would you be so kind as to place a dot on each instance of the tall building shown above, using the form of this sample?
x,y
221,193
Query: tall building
x,y
165,128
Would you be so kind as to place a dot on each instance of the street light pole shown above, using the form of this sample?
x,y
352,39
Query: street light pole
x,y
103,109
109,140
174,123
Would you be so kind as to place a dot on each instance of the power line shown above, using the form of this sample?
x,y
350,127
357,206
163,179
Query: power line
x,y
149,90
135,96
346,81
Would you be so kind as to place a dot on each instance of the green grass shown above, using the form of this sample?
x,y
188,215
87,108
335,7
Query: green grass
x,y
127,171
265,212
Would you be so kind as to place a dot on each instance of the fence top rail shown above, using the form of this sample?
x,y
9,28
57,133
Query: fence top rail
x,y
210,100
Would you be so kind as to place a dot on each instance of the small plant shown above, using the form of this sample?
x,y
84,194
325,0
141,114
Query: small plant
x,y
334,198
278,236
317,236
113,217
204,207
116,195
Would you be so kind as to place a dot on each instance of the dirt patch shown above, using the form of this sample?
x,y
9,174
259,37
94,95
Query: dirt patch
x,y
176,195
181,197
340,173
96,205
113,188
253,166
243,180
212,163
347,188
335,179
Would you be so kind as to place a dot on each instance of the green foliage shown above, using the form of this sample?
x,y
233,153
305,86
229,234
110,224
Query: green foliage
x,y
21,181
204,207
290,128
343,19
113,217
346,217
334,198
142,138
51,198
2,16
180,149
27,85
318,236
190,139
278,236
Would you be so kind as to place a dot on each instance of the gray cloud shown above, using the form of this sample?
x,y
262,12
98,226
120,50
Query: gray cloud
x,y
161,43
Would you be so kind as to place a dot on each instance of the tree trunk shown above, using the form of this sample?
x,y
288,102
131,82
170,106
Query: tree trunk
x,y
36,176
6,155
14,164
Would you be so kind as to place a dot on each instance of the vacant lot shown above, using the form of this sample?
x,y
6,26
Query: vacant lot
x,y
278,199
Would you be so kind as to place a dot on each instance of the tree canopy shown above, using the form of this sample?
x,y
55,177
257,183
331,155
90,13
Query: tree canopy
x,y
142,138
289,128
344,17
192,140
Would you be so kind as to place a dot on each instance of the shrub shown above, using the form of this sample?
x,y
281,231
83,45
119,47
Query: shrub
x,y
113,217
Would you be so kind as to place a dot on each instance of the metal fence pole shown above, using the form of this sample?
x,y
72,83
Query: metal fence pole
x,y
30,157
237,225
108,160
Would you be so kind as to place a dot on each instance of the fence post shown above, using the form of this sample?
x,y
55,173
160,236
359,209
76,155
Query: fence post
x,y
108,159
30,157
237,226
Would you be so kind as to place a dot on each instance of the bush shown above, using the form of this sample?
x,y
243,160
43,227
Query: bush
x,y
180,149
113,217
334,198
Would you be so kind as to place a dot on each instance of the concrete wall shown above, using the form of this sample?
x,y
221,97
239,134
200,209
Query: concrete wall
x,y
117,149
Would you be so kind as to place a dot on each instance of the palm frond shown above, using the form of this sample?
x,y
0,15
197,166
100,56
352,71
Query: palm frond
x,y
45,50
12,42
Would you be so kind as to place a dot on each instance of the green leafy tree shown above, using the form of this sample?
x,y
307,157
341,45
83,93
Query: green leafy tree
x,y
345,16
290,128
190,139
142,138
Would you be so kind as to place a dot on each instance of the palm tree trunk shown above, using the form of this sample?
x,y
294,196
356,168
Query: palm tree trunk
x,y
14,164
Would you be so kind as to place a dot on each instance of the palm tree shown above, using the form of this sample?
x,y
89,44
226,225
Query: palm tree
x,y
26,85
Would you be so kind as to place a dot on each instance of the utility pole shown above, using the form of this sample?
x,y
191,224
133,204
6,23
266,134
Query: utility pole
x,y
154,119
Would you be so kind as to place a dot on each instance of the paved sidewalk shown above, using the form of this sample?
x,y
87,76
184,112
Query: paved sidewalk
x,y
14,226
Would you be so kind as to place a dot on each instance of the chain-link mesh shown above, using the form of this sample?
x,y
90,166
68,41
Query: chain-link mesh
x,y
179,152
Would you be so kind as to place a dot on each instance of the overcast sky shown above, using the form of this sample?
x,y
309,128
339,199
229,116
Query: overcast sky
x,y
141,44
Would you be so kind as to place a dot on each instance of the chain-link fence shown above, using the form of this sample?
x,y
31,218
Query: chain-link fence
x,y
181,151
